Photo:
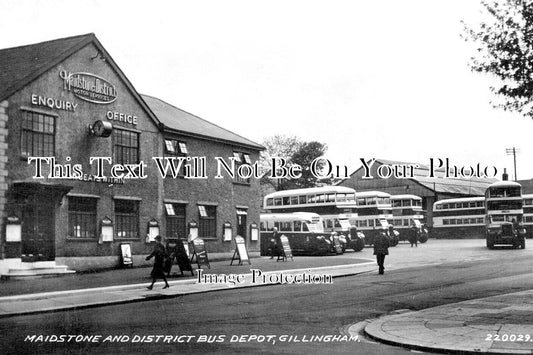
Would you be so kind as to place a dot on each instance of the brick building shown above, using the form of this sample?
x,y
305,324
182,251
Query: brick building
x,y
67,99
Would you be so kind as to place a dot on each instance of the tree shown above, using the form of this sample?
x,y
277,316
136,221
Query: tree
x,y
505,49
304,157
294,151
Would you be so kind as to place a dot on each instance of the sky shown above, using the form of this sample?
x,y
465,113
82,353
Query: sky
x,y
371,79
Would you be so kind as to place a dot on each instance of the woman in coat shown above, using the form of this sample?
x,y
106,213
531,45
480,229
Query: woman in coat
x,y
158,271
381,248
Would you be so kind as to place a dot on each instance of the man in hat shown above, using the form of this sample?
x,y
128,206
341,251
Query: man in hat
x,y
158,271
381,248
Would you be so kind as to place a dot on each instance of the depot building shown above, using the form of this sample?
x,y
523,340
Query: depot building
x,y
78,173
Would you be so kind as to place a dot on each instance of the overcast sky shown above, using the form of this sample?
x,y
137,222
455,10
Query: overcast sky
x,y
385,79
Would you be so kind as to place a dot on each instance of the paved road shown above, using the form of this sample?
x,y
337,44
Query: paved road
x,y
436,273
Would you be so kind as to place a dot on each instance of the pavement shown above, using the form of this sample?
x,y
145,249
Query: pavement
x,y
497,324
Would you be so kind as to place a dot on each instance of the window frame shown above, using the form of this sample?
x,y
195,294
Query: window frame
x,y
83,214
26,132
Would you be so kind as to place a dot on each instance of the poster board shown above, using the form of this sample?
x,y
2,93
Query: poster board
x,y
106,234
286,247
240,251
200,253
227,231
178,251
254,232
125,251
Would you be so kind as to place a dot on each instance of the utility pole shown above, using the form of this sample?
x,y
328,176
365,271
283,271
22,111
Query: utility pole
x,y
513,151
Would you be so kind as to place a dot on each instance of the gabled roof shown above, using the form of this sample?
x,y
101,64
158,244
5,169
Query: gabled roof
x,y
461,186
24,64
185,123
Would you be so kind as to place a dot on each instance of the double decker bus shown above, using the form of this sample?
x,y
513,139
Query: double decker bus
x,y
407,217
374,210
504,213
527,220
304,230
336,205
459,218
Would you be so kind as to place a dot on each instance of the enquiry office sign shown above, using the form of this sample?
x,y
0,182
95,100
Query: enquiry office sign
x,y
89,87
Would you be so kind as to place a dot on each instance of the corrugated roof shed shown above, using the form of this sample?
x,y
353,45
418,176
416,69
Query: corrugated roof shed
x,y
441,184
186,123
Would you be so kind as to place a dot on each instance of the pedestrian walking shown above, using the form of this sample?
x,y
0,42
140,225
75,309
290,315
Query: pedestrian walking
x,y
275,243
160,255
413,238
381,248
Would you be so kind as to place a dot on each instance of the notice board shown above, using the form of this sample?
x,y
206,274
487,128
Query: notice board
x,y
200,253
287,251
240,251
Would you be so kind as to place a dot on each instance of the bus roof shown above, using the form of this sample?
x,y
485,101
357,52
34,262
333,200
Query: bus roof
x,y
405,197
463,199
305,216
371,194
312,190
504,183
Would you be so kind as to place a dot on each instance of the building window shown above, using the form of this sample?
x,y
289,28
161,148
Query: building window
x,y
127,219
207,227
126,147
38,133
176,226
241,159
81,217
177,149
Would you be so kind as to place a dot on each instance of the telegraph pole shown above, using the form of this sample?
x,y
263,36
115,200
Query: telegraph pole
x,y
513,151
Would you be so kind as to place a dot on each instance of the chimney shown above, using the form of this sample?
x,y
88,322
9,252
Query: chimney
x,y
505,176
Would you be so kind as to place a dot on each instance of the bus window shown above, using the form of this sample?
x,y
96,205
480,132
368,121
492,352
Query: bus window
x,y
305,228
262,226
504,205
286,201
294,200
270,202
362,223
286,227
277,225
406,203
330,198
320,198
370,223
337,224
302,199
297,226
361,202
341,197
277,202
350,197
397,203
329,223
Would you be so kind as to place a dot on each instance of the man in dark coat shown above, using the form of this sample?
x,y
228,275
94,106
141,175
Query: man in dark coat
x,y
381,248
413,237
160,255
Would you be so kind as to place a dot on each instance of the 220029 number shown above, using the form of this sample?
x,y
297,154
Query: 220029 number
x,y
508,337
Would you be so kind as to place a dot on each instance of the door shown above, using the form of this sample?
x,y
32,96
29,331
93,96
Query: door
x,y
38,239
241,225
